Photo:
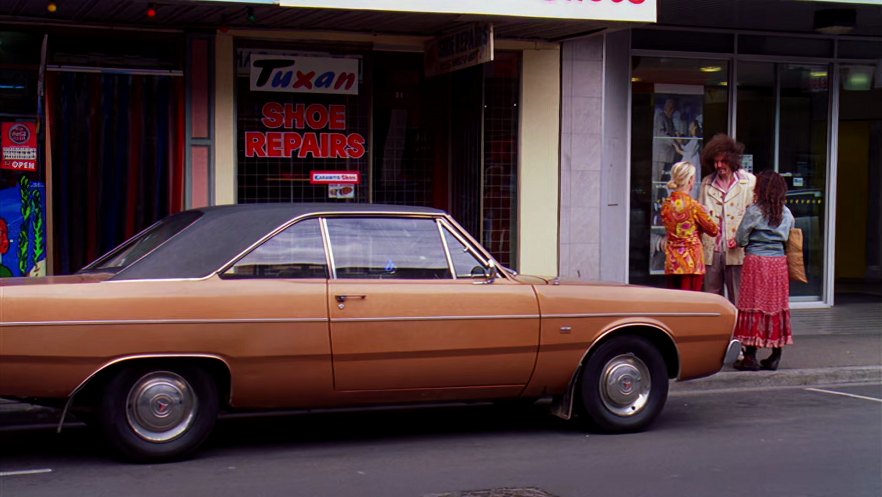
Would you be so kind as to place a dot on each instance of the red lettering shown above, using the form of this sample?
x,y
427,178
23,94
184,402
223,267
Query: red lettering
x,y
274,144
272,114
346,78
317,116
338,146
255,144
338,117
304,80
356,146
292,143
310,146
294,116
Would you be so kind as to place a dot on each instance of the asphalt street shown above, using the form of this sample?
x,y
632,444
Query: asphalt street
x,y
786,441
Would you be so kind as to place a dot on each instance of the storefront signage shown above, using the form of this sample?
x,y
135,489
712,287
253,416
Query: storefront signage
x,y
459,49
322,136
335,177
605,10
298,74
19,146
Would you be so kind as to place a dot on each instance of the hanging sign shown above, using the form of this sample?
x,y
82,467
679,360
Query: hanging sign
x,y
459,49
298,74
19,146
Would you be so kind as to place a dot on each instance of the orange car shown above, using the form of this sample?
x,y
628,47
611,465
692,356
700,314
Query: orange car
x,y
270,306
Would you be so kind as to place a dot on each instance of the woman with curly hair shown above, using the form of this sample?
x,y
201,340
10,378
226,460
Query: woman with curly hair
x,y
685,220
764,300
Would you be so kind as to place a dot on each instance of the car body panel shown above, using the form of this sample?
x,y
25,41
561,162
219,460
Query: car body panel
x,y
287,343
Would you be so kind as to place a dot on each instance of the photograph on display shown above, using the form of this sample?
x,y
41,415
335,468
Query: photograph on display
x,y
677,135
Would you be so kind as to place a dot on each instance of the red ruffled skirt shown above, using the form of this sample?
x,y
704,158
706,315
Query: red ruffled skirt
x,y
764,303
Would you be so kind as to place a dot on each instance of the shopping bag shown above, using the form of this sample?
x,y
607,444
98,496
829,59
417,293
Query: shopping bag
x,y
795,260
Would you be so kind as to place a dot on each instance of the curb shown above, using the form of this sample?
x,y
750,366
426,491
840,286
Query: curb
x,y
783,378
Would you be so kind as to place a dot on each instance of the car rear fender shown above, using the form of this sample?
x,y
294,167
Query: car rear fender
x,y
654,332
89,390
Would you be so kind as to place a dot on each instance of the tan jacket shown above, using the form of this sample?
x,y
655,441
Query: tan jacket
x,y
736,202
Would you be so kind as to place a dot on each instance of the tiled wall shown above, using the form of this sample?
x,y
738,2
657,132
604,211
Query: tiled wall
x,y
581,155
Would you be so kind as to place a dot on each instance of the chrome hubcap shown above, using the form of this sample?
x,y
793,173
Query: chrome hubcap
x,y
625,385
161,406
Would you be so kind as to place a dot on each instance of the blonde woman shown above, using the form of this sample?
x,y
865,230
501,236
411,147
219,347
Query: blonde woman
x,y
685,220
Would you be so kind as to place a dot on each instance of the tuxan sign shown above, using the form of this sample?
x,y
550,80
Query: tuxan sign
x,y
601,10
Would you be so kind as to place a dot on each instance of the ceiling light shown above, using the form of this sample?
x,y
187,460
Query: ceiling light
x,y
711,69
635,79
52,7
818,74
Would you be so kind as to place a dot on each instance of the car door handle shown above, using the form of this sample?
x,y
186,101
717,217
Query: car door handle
x,y
344,298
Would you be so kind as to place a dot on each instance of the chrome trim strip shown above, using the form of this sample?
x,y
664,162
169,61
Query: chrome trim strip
x,y
634,314
433,318
105,322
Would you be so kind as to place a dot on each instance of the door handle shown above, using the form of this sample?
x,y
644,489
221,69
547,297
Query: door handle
x,y
344,298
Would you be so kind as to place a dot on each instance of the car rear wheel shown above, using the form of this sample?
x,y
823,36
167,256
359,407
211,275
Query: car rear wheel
x,y
156,414
624,385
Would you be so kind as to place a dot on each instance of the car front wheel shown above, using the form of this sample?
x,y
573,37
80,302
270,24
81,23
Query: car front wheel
x,y
157,414
624,385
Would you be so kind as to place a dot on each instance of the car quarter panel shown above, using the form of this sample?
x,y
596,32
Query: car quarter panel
x,y
273,334
575,316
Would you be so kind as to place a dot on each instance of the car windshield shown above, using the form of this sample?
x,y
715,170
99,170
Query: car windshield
x,y
142,244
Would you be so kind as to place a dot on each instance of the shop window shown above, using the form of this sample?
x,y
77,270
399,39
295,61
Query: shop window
x,y
677,104
300,113
779,45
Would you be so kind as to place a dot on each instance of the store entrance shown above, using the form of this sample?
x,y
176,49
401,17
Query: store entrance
x,y
858,265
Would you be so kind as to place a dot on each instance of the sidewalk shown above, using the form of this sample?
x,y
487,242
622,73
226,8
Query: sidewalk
x,y
831,346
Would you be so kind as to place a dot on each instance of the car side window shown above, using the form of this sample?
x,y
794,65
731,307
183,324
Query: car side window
x,y
381,248
296,252
465,263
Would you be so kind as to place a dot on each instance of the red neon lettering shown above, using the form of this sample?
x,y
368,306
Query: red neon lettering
x,y
294,116
292,143
310,146
272,114
356,146
338,117
255,144
274,144
317,116
338,146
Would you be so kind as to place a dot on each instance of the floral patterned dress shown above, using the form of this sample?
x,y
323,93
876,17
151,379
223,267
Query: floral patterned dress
x,y
685,220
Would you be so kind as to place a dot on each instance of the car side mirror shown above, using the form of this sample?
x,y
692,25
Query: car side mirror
x,y
485,275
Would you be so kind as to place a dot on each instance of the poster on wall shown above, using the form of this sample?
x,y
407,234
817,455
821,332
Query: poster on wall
x,y
19,144
23,228
677,135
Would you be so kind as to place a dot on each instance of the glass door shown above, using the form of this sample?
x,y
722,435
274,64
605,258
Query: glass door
x,y
782,119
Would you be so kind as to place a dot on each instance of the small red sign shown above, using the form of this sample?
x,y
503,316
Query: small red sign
x,y
19,144
335,177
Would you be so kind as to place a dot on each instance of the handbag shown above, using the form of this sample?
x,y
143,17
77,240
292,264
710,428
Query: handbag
x,y
795,260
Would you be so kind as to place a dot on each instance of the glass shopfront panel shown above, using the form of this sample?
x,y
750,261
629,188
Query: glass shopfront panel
x,y
783,114
678,104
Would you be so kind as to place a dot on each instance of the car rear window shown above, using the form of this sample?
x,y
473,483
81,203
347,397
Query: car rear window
x,y
142,244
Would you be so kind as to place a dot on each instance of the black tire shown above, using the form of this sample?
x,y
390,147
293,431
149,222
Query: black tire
x,y
623,385
155,414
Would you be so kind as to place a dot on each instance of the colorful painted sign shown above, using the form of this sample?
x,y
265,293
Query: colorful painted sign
x,y
602,10
459,49
299,74
23,229
334,144
19,144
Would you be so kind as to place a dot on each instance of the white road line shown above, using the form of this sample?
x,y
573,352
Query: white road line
x,y
25,472
844,394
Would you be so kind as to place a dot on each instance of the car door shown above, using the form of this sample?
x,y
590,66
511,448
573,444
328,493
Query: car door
x,y
400,318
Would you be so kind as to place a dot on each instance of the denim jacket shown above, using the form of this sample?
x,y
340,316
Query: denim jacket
x,y
758,237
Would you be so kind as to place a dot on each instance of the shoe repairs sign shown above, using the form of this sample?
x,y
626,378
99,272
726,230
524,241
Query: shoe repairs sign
x,y
19,144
